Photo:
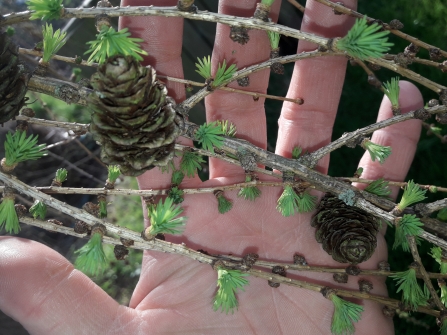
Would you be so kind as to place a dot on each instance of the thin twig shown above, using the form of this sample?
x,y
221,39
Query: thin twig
x,y
74,167
414,251
53,145
429,131
393,303
322,269
199,96
90,154
225,158
427,209
127,192
231,20
234,90
400,184
75,127
315,156
297,5
423,61
348,11
369,72
57,57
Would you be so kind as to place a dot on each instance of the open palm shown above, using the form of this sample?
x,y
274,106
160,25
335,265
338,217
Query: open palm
x,y
40,288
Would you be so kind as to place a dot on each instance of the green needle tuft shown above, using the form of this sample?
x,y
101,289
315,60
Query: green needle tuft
x,y
377,151
176,195
204,67
210,136
164,218
345,313
61,175
91,257
380,188
52,42
296,152
38,210
290,202
190,163
249,192
443,287
412,194
436,253
19,148
412,294
8,216
307,202
363,41
408,225
228,128
113,172
45,9
391,90
223,204
224,74
102,208
228,283
443,328
177,177
274,39
110,42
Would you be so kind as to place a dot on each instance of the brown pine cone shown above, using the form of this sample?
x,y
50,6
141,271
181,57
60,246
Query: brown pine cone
x,y
134,120
347,233
13,79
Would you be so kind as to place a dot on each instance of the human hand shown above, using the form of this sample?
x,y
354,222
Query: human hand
x,y
40,288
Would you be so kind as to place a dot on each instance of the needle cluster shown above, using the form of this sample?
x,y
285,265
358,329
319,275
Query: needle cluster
x,y
379,187
412,194
364,41
38,210
45,10
249,192
190,163
52,42
408,225
110,42
91,257
8,216
412,294
164,218
228,283
290,202
345,314
19,148
209,135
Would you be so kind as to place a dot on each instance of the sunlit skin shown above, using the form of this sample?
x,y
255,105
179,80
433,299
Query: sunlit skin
x,y
42,290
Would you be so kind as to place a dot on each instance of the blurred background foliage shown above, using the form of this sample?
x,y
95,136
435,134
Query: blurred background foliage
x,y
424,19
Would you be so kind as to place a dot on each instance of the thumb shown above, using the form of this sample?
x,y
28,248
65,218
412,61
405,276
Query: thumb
x,y
40,289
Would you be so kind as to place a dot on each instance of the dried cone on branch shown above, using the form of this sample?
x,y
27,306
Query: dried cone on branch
x,y
134,120
347,233
12,80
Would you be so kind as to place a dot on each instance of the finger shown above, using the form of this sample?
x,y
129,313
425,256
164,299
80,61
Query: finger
x,y
164,47
40,289
248,115
401,137
319,82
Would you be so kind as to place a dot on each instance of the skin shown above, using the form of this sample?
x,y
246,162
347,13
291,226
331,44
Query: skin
x,y
42,290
